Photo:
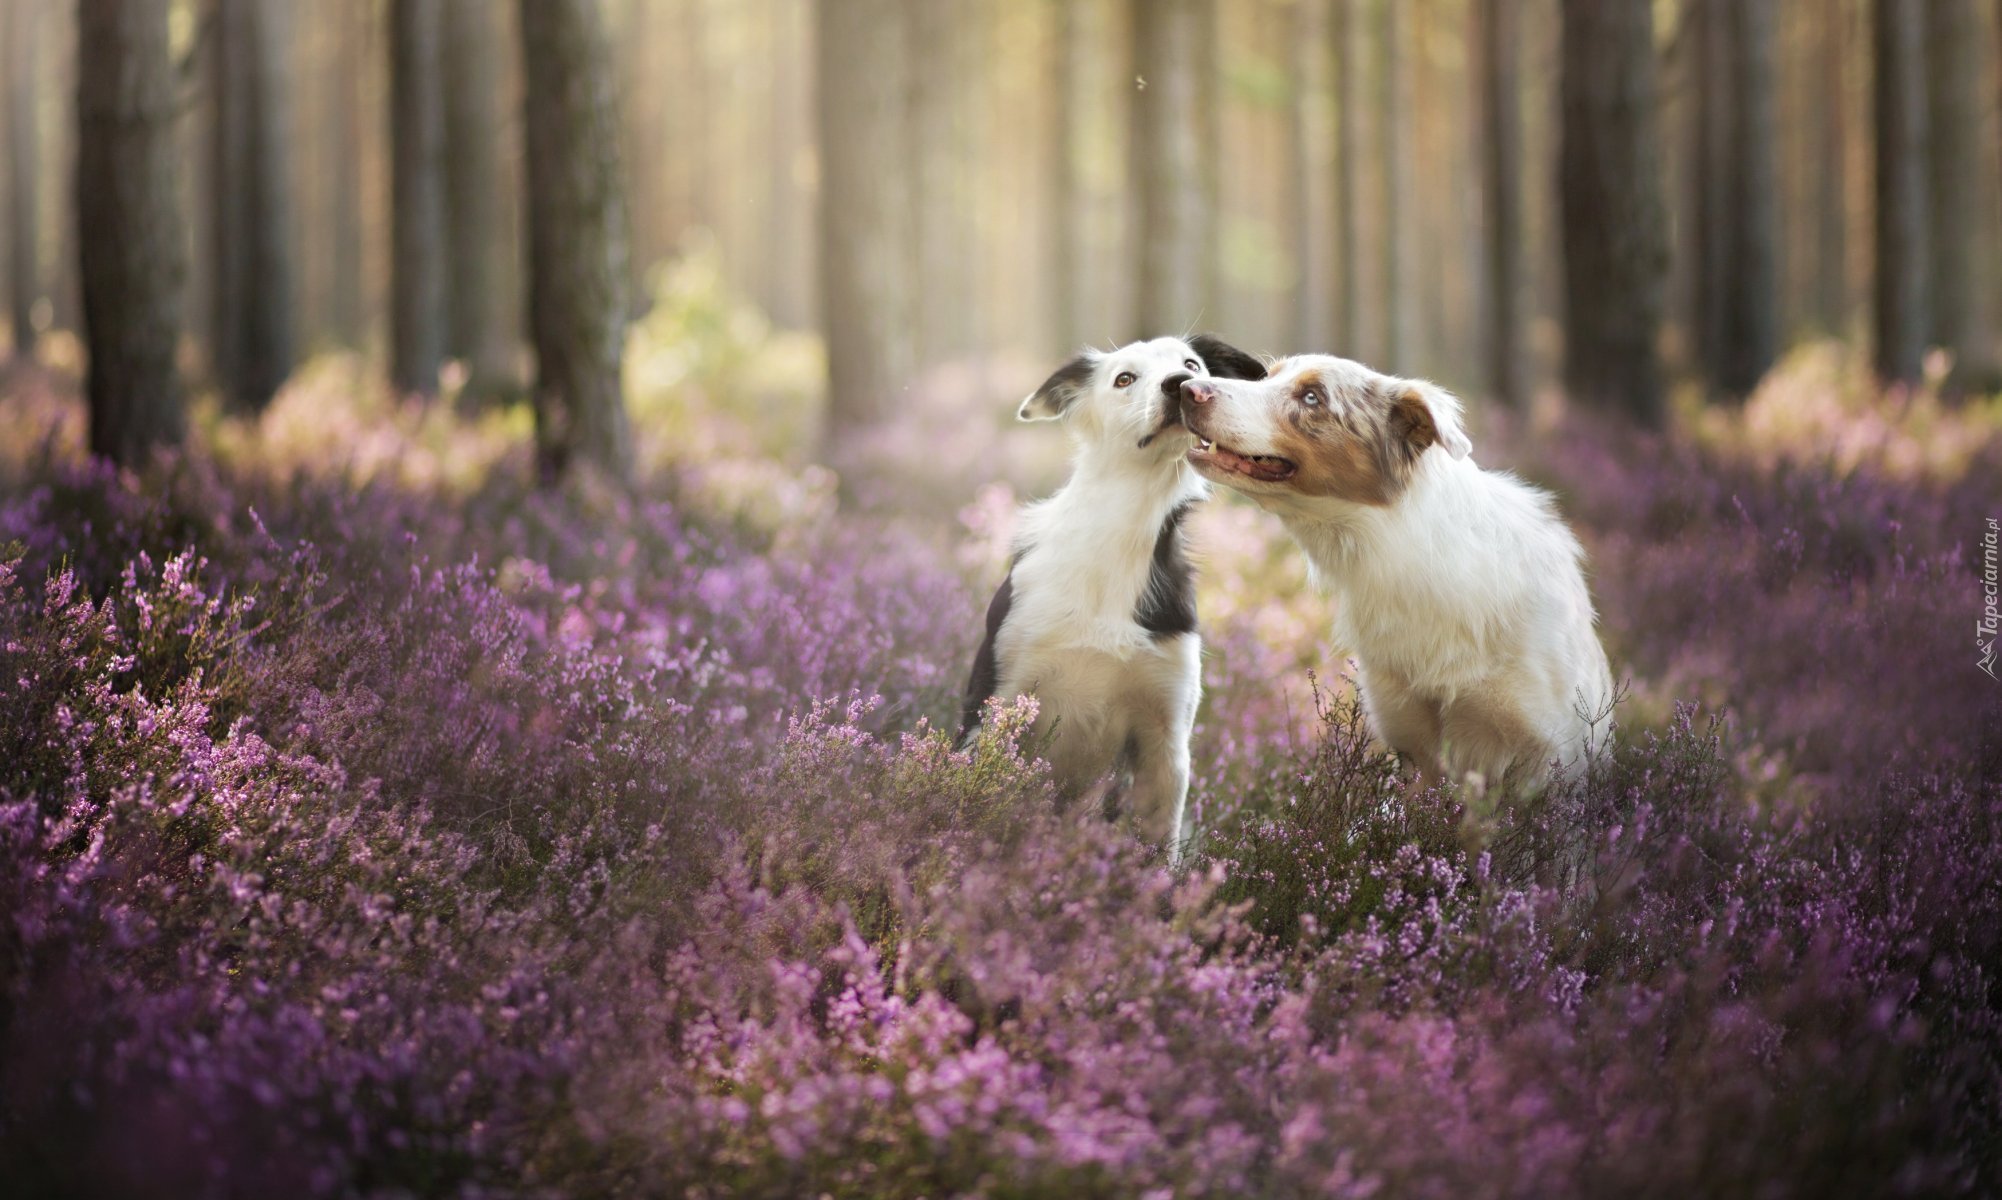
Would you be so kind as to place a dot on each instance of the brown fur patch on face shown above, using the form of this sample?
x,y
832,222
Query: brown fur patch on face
x,y
1356,445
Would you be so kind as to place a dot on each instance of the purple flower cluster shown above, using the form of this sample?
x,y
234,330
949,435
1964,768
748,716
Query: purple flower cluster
x,y
372,841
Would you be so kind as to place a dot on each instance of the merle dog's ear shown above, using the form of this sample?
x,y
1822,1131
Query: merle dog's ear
x,y
1424,414
1061,390
1224,360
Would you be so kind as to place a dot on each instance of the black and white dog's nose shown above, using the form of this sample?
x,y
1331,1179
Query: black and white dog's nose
x,y
1171,387
1200,391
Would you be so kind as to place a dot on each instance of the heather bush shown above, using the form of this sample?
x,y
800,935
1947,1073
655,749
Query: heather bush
x,y
379,830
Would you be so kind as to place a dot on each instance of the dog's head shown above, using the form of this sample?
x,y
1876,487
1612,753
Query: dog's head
x,y
1132,396
1319,426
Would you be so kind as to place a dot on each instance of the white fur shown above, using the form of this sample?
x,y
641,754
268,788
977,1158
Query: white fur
x,y
1463,600
1104,684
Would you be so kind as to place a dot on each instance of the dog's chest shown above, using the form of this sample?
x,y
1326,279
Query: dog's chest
x,y
1122,595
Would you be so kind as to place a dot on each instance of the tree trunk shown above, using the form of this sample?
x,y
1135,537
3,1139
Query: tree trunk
x,y
345,102
1614,227
1954,154
864,211
1903,254
1306,231
1399,197
253,346
941,245
1348,149
787,260
224,253
1748,288
576,240
1174,217
1831,153
24,235
417,196
1501,194
471,65
131,258
1348,144
1710,81
1068,57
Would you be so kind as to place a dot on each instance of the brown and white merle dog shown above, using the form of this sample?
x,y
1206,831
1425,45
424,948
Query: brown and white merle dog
x,y
1460,591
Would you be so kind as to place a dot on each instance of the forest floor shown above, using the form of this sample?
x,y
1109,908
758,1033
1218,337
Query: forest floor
x,y
371,823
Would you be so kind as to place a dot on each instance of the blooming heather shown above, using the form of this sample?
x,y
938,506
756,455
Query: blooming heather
x,y
381,836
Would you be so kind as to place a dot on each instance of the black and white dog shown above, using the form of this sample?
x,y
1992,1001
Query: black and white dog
x,y
1097,617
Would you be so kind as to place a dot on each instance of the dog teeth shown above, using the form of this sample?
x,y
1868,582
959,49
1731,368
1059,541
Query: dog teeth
x,y
1202,444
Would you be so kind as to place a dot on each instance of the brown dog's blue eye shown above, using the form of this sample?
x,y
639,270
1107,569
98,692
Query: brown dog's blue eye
x,y
1125,379
1312,397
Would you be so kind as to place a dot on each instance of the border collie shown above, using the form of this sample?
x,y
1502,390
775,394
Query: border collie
x,y
1097,616
1461,592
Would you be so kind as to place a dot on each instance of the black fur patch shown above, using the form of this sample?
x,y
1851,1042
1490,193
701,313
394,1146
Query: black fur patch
x,y
1224,360
1168,606
1063,387
986,672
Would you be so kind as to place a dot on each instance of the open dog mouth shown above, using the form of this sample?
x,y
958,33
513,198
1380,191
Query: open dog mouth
x,y
1265,468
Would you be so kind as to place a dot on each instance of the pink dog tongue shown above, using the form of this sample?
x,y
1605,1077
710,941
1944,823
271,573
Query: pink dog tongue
x,y
1260,467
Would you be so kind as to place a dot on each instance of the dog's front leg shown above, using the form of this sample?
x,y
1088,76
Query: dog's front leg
x,y
1160,787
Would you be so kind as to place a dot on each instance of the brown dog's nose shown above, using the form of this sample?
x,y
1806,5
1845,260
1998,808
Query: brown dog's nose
x,y
1199,390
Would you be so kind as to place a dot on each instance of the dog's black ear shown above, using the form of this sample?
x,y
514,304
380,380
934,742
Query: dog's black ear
x,y
1224,360
1061,390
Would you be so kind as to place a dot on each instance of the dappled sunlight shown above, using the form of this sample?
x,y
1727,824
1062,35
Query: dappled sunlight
x,y
335,420
1821,407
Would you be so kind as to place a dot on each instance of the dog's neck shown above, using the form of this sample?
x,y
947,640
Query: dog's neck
x,y
1339,535
1122,497
1119,473
1084,555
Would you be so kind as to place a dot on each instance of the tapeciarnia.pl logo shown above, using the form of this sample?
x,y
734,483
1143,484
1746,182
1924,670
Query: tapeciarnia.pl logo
x,y
1984,629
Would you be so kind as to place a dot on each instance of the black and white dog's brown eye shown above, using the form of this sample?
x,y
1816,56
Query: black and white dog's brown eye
x,y
1192,364
1125,379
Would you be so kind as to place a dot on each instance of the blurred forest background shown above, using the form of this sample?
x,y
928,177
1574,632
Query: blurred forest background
x,y
1607,198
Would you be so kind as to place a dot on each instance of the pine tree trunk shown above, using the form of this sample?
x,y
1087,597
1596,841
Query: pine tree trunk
x,y
1710,83
253,344
1306,324
940,245
1903,252
1953,124
1501,190
417,196
24,235
1614,226
131,259
576,240
1748,291
864,211
345,102
224,252
1348,145
1067,91
1831,153
787,300
471,65
1176,243
1398,195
